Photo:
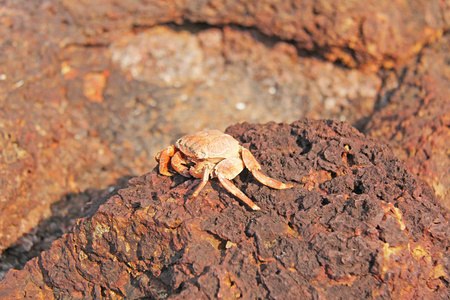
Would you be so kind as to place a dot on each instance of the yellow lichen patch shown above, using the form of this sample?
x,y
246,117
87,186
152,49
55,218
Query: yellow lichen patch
x,y
170,200
290,232
214,242
388,252
100,229
227,287
146,213
82,256
390,209
68,71
93,86
419,253
439,271
399,216
271,244
439,189
10,149
229,244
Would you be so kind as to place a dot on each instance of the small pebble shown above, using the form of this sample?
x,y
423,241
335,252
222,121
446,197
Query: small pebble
x,y
240,106
19,83
272,90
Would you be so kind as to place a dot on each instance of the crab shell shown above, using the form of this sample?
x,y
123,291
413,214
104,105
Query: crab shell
x,y
212,145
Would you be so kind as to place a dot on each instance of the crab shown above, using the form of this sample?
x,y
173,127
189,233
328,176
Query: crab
x,y
212,153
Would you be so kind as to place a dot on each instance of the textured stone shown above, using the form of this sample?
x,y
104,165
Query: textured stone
x,y
75,115
84,105
369,33
368,229
416,120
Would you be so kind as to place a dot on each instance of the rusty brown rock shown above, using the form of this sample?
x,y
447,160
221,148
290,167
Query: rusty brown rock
x,y
71,109
416,121
369,33
368,229
40,157
68,115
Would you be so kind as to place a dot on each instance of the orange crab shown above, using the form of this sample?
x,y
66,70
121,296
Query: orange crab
x,y
211,153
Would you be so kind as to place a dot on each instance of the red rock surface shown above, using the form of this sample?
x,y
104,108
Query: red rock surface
x,y
416,121
356,224
369,33
83,115
80,111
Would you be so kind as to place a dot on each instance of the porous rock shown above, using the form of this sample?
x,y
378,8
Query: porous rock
x,y
416,120
69,114
357,224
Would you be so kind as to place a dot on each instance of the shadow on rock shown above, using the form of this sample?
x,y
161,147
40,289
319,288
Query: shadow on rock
x,y
63,216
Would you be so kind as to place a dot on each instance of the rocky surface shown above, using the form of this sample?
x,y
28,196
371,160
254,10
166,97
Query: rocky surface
x,y
356,224
89,93
86,114
416,121
368,34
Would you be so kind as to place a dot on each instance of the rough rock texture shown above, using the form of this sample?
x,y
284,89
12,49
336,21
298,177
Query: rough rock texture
x,y
371,33
80,110
83,115
356,224
416,122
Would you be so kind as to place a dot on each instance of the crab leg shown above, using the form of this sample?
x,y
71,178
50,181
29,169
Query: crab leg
x,y
228,169
203,182
236,192
179,164
163,158
252,164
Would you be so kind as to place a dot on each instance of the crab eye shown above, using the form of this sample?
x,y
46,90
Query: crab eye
x,y
200,155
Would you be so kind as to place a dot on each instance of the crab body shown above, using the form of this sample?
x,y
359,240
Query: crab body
x,y
211,145
209,154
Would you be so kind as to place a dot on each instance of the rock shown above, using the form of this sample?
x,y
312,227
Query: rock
x,y
367,34
78,118
357,224
415,121
73,112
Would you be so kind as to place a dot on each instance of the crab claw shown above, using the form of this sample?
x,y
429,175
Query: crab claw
x,y
163,158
